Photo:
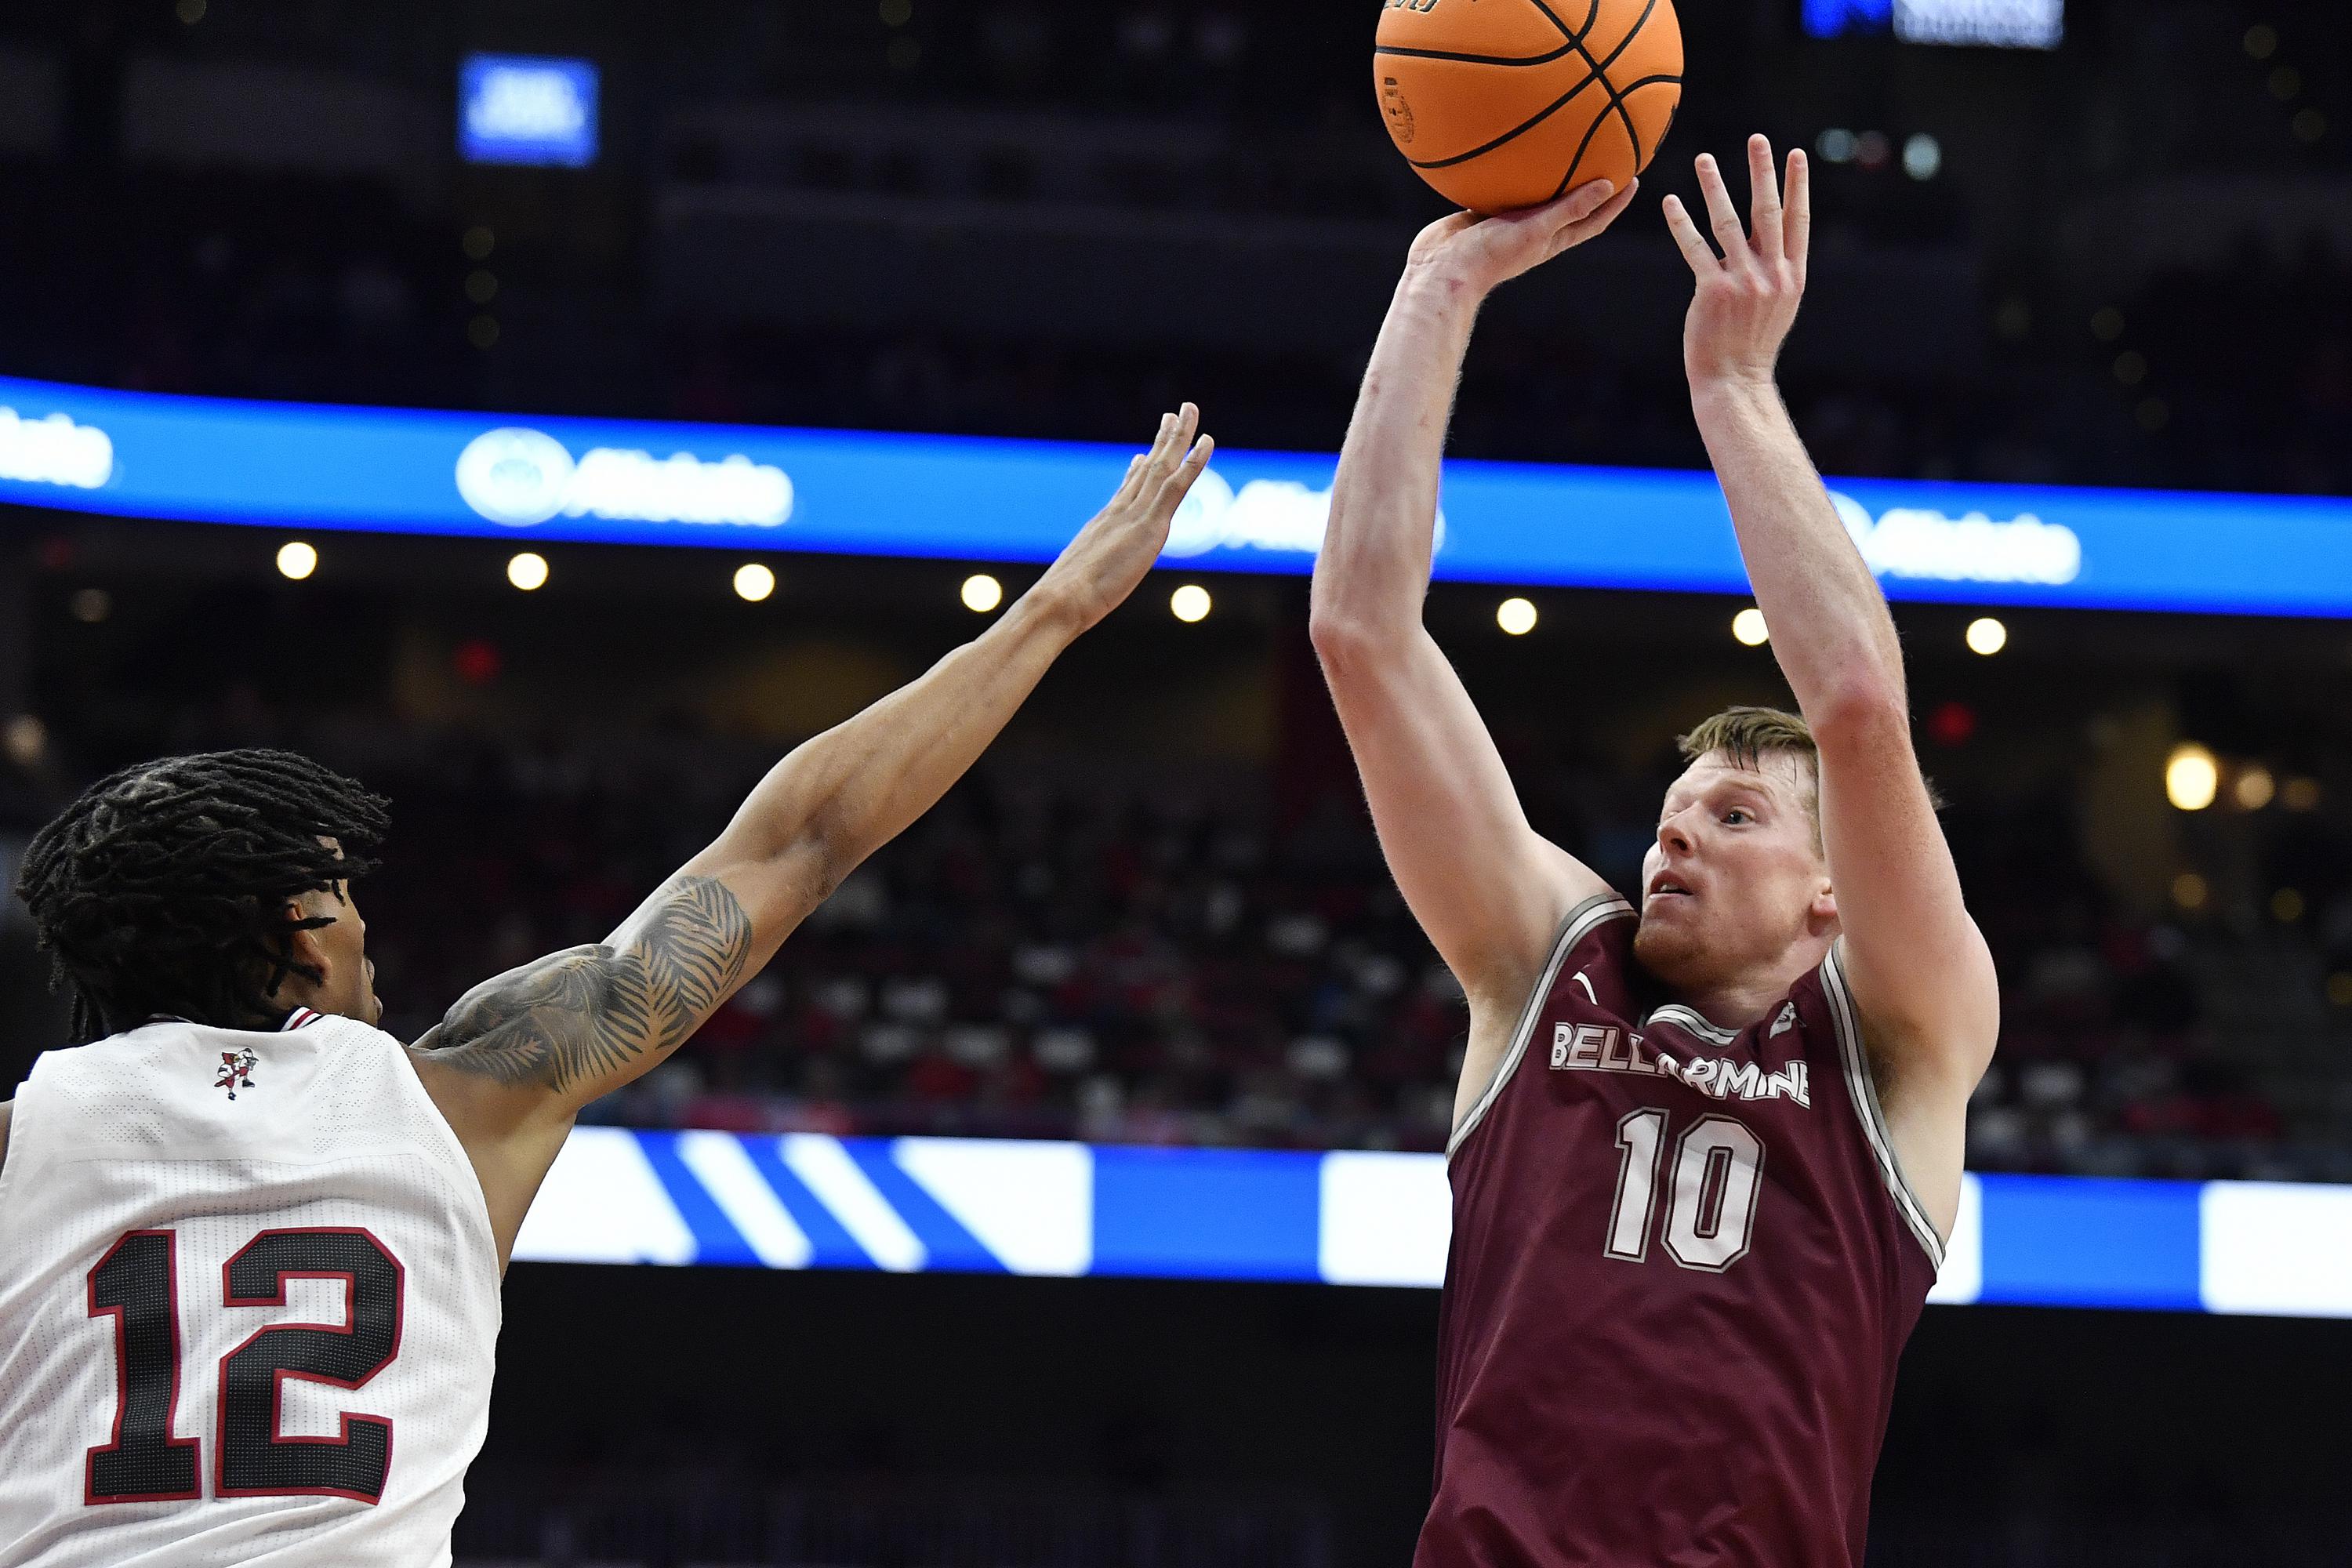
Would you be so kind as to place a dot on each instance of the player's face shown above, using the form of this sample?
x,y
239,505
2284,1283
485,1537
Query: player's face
x,y
1735,876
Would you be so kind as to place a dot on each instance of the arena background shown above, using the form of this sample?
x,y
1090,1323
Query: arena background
x,y
1151,938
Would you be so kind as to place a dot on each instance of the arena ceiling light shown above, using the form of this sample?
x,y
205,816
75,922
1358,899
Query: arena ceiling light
x,y
297,559
527,570
1190,603
754,582
982,593
1517,617
2191,777
1748,627
1987,635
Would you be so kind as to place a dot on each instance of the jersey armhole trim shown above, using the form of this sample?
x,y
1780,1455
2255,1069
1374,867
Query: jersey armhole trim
x,y
1578,923
455,1147
1862,1087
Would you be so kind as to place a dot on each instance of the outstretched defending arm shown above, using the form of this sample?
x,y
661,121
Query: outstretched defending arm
x,y
517,1057
1485,886
1921,974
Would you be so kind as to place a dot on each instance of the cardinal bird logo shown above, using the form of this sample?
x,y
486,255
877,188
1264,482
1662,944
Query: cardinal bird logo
x,y
236,1071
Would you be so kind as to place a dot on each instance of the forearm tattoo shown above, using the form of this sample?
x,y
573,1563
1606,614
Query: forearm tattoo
x,y
590,1011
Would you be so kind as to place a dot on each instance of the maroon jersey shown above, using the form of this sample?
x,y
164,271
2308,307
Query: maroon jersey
x,y
1683,1268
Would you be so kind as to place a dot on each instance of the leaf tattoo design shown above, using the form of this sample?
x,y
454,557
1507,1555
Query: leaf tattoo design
x,y
588,1012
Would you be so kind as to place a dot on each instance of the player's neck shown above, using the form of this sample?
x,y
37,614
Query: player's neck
x,y
1740,1000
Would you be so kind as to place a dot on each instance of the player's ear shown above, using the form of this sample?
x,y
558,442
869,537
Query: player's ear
x,y
1821,914
304,961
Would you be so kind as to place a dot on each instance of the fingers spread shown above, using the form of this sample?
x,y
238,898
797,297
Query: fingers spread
x,y
1763,199
1797,226
1688,240
1722,216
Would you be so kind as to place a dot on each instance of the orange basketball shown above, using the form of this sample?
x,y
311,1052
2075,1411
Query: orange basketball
x,y
1510,103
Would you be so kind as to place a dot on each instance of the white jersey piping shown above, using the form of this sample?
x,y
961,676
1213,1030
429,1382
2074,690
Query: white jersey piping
x,y
1580,921
1864,1090
1690,1018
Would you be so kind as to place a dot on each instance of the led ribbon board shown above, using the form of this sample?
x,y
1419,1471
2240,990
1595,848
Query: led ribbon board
x,y
1001,1206
312,467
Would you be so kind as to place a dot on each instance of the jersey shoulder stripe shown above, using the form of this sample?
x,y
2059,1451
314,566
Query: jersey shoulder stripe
x,y
1862,1089
1580,922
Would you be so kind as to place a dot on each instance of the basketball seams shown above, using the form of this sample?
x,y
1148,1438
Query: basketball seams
x,y
1584,146
1543,59
1570,42
1616,99
1576,42
1515,132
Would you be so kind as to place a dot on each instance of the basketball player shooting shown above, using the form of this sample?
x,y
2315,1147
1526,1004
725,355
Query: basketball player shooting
x,y
1705,1151
236,1126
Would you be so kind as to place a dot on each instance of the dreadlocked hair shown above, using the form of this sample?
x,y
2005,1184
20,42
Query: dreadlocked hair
x,y
165,889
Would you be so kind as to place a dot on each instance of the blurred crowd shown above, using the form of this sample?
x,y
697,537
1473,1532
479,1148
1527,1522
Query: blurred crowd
x,y
1042,957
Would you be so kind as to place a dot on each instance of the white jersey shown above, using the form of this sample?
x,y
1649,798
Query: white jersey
x,y
248,1305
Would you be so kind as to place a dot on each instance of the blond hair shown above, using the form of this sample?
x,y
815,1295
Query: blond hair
x,y
1745,734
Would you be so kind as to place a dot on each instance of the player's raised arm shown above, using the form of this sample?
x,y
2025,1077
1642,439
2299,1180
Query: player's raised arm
x,y
1919,969
1485,886
518,1056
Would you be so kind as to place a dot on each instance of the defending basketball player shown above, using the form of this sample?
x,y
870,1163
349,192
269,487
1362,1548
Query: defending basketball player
x,y
237,1129
1707,1149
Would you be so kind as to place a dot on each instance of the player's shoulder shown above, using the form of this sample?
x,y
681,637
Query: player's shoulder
x,y
1593,953
1602,917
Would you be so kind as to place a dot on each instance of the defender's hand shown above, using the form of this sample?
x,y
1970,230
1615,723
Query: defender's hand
x,y
1748,299
1482,253
1101,566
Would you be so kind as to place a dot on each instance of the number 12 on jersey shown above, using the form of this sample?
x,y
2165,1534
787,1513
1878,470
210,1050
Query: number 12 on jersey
x,y
1712,1181
137,1284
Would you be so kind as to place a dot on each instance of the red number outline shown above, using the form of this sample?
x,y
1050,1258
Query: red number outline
x,y
121,1341
349,1325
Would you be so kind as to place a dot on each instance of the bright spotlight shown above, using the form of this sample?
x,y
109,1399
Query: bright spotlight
x,y
2255,788
754,582
1987,635
1516,616
2191,777
1747,626
1190,603
297,559
982,593
528,571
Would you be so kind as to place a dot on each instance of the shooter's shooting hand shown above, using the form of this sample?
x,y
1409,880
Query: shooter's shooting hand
x,y
1479,254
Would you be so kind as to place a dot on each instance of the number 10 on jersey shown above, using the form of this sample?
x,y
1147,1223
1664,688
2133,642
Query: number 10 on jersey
x,y
1711,1180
